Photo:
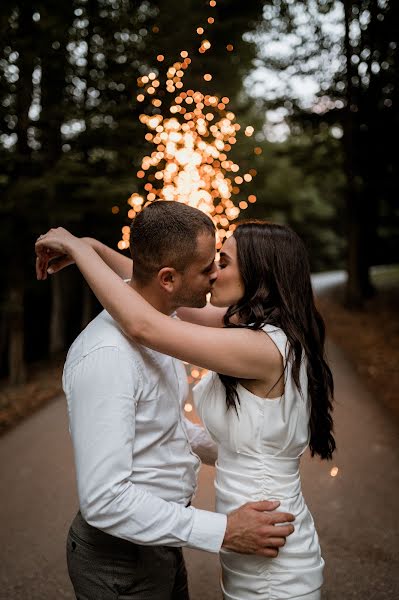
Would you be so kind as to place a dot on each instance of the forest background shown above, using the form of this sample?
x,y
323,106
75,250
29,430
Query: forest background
x,y
317,79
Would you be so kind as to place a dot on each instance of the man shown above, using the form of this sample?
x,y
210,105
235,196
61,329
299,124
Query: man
x,y
136,455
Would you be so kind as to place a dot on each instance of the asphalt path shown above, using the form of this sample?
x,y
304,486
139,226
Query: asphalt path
x,y
356,511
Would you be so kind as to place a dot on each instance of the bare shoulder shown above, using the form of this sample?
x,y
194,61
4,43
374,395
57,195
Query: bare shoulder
x,y
266,346
270,380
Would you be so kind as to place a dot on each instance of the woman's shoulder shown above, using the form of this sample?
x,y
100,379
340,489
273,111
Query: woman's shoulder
x,y
278,337
273,329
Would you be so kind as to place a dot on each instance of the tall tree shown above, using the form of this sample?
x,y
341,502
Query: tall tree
x,y
18,66
349,49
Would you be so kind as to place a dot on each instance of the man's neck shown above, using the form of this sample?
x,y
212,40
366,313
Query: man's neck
x,y
153,297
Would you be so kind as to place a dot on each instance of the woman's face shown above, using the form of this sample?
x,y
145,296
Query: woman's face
x,y
228,288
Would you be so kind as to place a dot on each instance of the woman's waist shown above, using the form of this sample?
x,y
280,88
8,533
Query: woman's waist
x,y
231,459
257,474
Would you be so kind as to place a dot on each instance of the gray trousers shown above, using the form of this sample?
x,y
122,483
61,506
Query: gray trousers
x,y
104,567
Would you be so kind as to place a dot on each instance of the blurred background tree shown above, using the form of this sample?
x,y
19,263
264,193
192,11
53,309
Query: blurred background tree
x,y
318,79
348,52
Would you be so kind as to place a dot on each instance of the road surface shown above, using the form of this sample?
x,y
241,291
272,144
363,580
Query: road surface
x,y
356,511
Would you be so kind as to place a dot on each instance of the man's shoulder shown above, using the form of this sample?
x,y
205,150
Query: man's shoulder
x,y
102,332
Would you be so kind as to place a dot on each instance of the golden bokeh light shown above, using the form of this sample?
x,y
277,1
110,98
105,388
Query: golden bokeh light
x,y
190,161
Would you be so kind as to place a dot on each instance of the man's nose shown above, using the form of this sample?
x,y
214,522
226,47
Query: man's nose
x,y
214,273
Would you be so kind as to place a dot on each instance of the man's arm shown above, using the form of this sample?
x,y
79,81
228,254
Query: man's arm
x,y
101,392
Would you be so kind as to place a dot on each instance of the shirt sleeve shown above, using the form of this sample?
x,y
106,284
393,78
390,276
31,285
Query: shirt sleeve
x,y
102,391
201,442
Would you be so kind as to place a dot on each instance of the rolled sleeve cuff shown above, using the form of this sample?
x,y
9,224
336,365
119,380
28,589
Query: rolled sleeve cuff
x,y
208,531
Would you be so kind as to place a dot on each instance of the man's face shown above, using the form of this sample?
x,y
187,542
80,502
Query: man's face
x,y
197,279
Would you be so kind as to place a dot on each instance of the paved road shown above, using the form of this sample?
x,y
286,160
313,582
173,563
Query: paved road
x,y
355,511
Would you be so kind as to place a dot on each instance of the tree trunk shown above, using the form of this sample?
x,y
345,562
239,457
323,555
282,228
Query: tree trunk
x,y
54,63
354,294
16,360
57,328
22,167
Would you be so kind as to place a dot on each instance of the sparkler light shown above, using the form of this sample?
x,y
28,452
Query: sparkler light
x,y
189,162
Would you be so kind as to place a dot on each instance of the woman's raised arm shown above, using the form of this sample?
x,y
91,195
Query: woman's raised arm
x,y
120,264
54,262
241,353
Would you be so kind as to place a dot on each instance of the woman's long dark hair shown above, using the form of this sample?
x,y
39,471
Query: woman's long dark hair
x,y
274,267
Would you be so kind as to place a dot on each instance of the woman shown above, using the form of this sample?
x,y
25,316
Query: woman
x,y
267,397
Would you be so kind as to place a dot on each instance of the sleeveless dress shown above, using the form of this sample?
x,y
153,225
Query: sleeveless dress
x,y
258,459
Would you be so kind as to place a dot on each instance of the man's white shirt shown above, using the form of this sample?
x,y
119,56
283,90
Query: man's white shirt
x,y
134,449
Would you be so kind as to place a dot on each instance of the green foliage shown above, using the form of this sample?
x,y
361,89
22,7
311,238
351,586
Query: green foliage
x,y
300,183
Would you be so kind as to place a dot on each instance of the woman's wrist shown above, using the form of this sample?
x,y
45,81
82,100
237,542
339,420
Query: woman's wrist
x,y
92,242
75,246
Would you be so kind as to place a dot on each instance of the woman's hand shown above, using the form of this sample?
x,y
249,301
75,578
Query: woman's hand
x,y
54,248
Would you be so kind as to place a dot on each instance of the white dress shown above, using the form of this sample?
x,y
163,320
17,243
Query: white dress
x,y
258,459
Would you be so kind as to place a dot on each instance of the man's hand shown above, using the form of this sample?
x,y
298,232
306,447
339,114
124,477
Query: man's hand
x,y
254,529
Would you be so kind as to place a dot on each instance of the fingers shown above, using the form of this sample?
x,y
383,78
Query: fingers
x,y
38,269
40,244
41,268
276,542
268,506
58,264
268,552
280,517
264,505
272,532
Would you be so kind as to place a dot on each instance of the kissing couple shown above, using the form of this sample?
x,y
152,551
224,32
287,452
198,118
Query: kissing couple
x,y
266,398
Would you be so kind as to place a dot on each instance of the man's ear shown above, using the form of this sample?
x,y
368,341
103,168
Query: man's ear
x,y
168,279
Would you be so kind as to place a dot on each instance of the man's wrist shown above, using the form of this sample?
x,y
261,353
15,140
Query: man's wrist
x,y
227,534
208,530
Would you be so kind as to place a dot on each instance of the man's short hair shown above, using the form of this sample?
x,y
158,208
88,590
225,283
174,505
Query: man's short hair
x,y
164,234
